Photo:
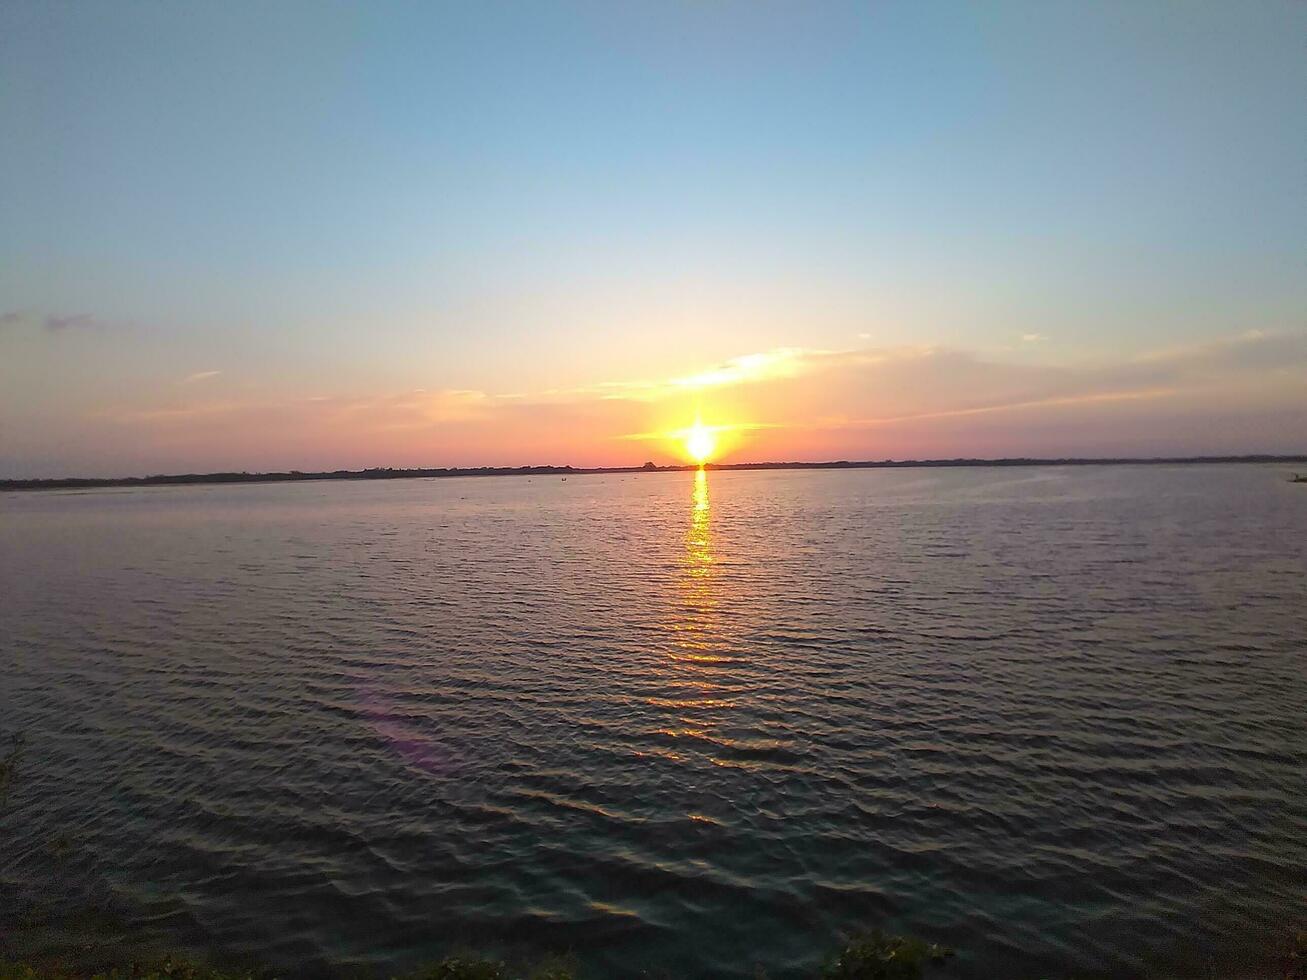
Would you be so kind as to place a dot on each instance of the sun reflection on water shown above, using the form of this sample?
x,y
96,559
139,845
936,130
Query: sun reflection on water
x,y
698,540
698,640
697,690
710,678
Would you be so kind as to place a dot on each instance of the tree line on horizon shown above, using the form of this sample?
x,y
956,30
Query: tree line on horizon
x,y
400,473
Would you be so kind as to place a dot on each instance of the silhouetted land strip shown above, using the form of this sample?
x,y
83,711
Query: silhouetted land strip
x,y
389,473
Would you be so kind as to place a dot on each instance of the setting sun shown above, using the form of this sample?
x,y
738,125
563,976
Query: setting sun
x,y
700,442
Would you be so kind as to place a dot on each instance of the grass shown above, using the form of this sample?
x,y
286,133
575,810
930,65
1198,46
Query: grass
x,y
473,967
168,968
870,957
876,956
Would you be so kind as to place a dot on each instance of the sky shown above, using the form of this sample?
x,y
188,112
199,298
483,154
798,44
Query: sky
x,y
314,235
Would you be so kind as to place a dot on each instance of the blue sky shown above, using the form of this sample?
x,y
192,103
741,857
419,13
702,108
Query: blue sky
x,y
355,201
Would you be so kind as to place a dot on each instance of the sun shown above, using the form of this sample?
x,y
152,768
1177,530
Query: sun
x,y
700,442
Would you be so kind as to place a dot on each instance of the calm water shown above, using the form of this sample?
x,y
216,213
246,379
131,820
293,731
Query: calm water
x,y
1053,717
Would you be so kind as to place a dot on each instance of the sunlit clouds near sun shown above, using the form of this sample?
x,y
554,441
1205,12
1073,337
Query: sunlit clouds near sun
x,y
791,404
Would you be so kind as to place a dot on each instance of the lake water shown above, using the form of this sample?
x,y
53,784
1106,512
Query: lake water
x,y
1053,717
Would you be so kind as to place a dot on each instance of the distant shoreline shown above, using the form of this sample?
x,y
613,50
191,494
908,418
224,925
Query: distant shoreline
x,y
388,473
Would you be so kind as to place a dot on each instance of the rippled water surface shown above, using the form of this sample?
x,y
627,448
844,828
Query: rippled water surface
x,y
674,722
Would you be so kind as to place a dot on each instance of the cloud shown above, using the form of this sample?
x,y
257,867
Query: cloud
x,y
199,376
779,362
926,390
1032,338
406,410
1242,393
54,323
1007,406
1254,350
73,321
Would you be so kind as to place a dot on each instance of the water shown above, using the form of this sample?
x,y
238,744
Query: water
x,y
1053,717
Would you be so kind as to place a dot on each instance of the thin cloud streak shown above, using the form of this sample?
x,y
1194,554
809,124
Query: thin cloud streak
x,y
52,322
1107,396
76,320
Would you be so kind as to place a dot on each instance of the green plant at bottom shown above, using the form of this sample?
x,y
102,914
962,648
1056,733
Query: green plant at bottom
x,y
473,967
876,956
1295,965
555,968
167,968
464,968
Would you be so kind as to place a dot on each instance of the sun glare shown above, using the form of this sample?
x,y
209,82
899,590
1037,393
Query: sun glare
x,y
700,442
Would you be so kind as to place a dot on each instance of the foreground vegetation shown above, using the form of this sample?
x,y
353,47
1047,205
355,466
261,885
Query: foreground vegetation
x,y
872,956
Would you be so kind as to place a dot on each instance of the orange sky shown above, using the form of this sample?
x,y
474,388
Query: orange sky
x,y
1241,394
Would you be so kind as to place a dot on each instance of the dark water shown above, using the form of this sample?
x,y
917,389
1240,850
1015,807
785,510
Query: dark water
x,y
1053,717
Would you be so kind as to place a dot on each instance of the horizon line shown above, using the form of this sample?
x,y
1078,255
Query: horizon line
x,y
440,472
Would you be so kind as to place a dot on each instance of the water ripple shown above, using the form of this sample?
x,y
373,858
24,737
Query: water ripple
x,y
1053,718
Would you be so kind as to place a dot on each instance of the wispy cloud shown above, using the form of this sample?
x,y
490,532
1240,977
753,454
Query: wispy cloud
x,y
781,362
199,376
788,403
1010,406
1032,338
53,322
410,409
848,391
72,321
